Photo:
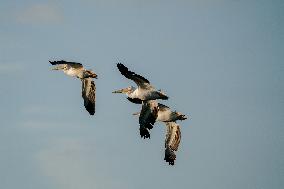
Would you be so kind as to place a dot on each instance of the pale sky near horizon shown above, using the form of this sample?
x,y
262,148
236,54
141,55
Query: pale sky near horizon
x,y
220,61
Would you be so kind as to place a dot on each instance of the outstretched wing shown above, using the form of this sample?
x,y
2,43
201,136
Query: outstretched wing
x,y
148,116
138,79
172,141
71,64
89,95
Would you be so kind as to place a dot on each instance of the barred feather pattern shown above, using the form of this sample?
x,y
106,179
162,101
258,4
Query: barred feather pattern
x,y
172,141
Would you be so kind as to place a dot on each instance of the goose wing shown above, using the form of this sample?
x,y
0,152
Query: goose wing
x,y
147,117
138,79
89,95
172,141
71,64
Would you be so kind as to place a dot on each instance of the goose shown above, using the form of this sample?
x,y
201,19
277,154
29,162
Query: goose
x,y
144,94
144,91
173,134
75,69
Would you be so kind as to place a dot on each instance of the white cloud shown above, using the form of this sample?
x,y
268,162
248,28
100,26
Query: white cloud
x,y
41,14
65,162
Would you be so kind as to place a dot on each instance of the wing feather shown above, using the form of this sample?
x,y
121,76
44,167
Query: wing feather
x,y
71,64
172,141
173,135
148,115
89,95
138,79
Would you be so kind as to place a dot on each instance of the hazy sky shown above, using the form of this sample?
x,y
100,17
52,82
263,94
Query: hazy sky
x,y
220,61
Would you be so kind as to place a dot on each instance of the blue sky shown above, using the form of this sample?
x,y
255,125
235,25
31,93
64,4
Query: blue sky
x,y
221,62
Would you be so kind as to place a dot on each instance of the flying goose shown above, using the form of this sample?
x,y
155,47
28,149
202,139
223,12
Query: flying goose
x,y
144,90
173,134
75,69
146,94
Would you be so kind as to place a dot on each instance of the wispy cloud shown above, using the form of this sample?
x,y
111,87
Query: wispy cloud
x,y
40,14
65,162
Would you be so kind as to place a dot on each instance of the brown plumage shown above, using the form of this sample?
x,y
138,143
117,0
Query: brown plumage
x,y
90,73
89,95
172,142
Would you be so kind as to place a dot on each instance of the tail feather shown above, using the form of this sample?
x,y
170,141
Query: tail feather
x,y
163,96
182,117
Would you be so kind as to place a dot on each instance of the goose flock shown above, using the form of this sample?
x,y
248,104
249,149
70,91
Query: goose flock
x,y
144,94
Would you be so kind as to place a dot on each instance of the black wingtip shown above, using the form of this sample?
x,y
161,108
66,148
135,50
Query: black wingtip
x,y
121,67
92,113
90,108
129,74
170,156
57,62
165,98
144,133
171,162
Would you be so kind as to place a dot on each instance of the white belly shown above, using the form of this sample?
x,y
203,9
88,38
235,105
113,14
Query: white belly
x,y
135,94
163,116
143,94
71,72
